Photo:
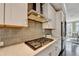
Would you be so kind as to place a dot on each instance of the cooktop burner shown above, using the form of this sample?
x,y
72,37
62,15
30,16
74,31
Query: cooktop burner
x,y
37,43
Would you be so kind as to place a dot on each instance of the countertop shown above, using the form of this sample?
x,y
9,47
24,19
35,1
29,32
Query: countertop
x,y
21,50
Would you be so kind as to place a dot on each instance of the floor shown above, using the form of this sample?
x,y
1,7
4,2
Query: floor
x,y
71,47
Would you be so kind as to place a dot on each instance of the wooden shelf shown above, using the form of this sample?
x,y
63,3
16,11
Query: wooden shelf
x,y
33,15
9,25
14,26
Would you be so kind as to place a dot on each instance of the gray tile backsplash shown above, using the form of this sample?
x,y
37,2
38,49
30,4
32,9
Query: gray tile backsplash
x,y
16,35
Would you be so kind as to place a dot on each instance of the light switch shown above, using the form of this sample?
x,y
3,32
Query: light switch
x,y
1,43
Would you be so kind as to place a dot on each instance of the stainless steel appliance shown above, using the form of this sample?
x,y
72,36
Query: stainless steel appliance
x,y
38,43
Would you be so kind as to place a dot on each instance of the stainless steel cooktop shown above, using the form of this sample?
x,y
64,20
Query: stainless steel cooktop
x,y
37,43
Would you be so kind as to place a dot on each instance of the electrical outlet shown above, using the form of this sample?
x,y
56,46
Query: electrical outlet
x,y
1,43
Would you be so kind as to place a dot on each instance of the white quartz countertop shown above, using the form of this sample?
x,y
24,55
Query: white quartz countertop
x,y
21,50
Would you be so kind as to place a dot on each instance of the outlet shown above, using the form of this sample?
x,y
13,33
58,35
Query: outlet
x,y
1,43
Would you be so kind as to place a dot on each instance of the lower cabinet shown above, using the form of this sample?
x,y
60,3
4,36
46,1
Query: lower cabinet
x,y
57,47
52,50
47,52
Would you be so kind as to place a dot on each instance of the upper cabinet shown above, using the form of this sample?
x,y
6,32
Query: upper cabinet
x,y
36,7
49,13
13,15
1,14
59,21
58,24
16,14
35,12
58,6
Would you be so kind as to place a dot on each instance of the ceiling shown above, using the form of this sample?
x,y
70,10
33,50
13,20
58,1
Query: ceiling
x,y
72,10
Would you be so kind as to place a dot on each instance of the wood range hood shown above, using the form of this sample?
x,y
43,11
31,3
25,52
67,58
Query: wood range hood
x,y
34,15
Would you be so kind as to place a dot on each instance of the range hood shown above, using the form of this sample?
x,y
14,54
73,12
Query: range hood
x,y
34,15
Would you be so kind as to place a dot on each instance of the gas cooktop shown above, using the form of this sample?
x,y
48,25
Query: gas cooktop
x,y
38,43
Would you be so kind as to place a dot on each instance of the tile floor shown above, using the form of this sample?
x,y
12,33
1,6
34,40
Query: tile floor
x,y
71,48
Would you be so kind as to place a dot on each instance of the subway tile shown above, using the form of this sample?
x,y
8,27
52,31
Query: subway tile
x,y
12,36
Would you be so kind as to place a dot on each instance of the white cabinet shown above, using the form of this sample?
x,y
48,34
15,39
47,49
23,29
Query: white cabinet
x,y
38,7
59,19
49,13
57,47
52,50
1,14
47,52
58,23
16,14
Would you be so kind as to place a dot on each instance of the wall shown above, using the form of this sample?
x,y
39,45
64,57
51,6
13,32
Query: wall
x,y
16,35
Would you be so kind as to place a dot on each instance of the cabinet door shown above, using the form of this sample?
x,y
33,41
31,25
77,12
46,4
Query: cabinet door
x,y
58,24
1,13
16,14
49,13
38,7
52,17
57,47
45,10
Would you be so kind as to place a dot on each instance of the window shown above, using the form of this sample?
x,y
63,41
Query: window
x,y
77,27
69,27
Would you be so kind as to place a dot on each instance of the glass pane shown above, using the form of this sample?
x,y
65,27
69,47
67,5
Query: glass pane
x,y
77,27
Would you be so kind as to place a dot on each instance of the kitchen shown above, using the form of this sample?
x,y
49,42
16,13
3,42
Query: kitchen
x,y
31,29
